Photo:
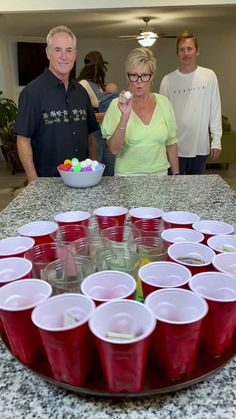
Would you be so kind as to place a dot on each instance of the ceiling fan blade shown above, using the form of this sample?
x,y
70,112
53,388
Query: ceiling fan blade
x,y
127,36
163,35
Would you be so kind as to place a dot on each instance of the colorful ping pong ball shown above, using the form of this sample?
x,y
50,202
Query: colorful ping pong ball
x,y
128,95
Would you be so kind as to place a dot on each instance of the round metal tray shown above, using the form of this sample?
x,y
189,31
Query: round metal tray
x,y
154,382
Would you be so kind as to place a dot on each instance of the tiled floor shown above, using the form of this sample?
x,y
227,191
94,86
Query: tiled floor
x,y
10,185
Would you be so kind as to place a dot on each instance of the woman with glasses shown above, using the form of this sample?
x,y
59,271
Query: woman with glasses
x,y
141,129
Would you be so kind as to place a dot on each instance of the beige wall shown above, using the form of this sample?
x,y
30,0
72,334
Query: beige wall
x,y
217,51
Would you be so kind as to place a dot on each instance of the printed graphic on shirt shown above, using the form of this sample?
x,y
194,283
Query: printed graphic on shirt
x,y
58,116
189,89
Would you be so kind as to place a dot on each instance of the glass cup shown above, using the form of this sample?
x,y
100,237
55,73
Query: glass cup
x,y
149,248
124,261
122,330
65,277
158,275
40,231
219,290
151,227
179,314
73,217
40,256
15,246
62,322
108,285
17,301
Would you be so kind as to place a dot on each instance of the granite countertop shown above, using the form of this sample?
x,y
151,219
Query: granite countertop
x,y
26,395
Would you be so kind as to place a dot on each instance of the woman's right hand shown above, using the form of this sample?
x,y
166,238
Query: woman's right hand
x,y
124,104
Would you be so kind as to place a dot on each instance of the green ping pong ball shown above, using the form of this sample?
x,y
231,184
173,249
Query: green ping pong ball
x,y
77,168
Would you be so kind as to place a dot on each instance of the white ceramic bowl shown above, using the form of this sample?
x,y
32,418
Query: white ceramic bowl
x,y
81,179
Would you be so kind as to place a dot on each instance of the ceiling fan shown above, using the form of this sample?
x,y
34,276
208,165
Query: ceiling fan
x,y
146,37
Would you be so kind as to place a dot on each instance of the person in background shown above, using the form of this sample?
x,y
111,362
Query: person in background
x,y
92,78
55,116
141,129
194,94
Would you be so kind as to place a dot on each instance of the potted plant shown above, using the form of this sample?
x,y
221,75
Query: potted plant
x,y
8,111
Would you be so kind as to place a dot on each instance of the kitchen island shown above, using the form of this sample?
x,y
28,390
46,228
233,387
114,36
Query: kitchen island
x,y
26,395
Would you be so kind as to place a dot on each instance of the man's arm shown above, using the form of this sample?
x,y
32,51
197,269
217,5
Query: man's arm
x,y
26,157
92,147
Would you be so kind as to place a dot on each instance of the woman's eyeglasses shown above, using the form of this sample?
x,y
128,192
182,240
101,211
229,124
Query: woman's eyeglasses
x,y
144,77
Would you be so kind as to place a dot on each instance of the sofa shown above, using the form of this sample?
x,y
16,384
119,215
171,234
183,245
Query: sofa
x,y
228,154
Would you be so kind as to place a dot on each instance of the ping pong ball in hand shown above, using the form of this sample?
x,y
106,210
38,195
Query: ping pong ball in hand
x,y
128,95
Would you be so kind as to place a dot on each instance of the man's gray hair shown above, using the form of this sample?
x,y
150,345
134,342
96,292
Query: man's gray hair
x,y
59,29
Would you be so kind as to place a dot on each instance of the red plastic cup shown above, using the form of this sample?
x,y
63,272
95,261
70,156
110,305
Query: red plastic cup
x,y
148,213
40,231
17,301
147,227
179,314
15,246
212,228
177,235
196,257
226,263
219,290
68,233
40,256
14,268
222,243
158,275
104,286
175,219
123,330
73,217
106,222
119,213
66,337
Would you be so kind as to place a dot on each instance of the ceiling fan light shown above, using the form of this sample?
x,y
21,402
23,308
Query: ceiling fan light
x,y
148,39
147,42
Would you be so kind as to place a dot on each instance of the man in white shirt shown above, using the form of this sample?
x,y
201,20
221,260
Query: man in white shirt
x,y
194,94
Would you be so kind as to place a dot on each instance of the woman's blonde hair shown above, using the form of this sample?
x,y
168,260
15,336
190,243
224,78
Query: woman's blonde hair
x,y
141,56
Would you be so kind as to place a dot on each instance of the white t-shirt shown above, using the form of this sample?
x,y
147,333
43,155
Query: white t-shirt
x,y
195,98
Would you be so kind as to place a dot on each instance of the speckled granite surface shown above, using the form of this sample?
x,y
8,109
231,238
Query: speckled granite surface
x,y
25,395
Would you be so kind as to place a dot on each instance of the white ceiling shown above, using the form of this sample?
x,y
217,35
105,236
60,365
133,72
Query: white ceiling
x,y
113,22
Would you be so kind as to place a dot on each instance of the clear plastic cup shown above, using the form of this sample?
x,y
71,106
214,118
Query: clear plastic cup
x,y
123,330
197,257
17,301
175,219
118,239
73,217
62,322
67,277
158,275
219,290
14,268
226,263
176,235
212,228
222,243
15,246
40,231
108,285
119,213
148,213
179,314
40,256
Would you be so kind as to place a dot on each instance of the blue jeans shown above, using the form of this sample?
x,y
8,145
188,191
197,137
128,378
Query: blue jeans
x,y
192,165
